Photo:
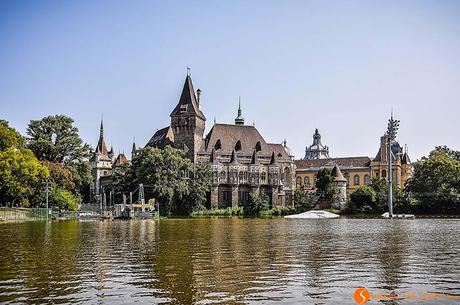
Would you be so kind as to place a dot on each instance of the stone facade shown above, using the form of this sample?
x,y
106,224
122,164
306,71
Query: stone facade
x,y
242,161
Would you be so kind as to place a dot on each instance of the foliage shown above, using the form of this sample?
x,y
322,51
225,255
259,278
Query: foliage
x,y
55,139
256,204
199,185
278,211
436,182
324,181
58,198
304,200
124,181
166,174
60,175
220,212
9,137
81,172
20,175
363,199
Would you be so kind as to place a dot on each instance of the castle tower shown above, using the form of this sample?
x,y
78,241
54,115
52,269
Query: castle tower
x,y
188,122
339,186
101,166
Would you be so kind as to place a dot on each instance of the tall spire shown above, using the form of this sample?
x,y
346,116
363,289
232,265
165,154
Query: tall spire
x,y
133,150
101,147
188,103
239,120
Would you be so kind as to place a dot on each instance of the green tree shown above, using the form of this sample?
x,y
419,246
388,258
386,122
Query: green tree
x,y
9,137
256,204
56,139
164,172
363,199
60,175
304,200
324,181
436,182
60,199
199,186
124,181
21,174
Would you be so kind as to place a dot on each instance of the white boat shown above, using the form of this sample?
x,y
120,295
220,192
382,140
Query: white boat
x,y
314,214
399,216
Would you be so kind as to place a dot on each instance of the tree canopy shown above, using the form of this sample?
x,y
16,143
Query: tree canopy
x,y
21,175
9,137
436,181
324,181
56,139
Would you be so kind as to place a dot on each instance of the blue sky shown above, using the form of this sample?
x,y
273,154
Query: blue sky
x,y
339,66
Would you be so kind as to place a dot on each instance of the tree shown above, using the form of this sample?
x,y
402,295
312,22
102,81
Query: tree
x,y
55,139
9,137
324,181
20,175
256,204
436,182
199,185
363,199
165,173
60,175
124,181
304,200
58,198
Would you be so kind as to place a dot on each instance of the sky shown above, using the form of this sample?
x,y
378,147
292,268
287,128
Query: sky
x,y
339,66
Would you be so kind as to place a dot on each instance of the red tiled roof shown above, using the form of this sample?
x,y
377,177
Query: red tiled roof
x,y
347,162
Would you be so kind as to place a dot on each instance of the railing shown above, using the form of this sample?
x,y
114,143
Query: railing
x,y
24,213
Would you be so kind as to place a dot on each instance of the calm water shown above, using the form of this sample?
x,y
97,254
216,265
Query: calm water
x,y
231,261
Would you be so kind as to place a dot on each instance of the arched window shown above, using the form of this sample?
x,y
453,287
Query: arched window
x,y
384,173
298,182
356,180
223,176
238,146
263,177
218,145
258,146
306,181
245,176
367,180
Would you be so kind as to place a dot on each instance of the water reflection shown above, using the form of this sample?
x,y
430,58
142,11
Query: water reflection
x,y
231,260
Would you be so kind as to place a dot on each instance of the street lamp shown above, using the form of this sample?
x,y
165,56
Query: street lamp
x,y
392,130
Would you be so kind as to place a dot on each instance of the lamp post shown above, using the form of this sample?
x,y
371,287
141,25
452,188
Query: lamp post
x,y
392,130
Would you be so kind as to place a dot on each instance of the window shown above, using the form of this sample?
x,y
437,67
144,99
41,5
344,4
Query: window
x,y
218,145
377,174
240,177
263,177
356,180
287,176
223,176
298,182
258,146
384,173
367,180
238,146
183,108
306,181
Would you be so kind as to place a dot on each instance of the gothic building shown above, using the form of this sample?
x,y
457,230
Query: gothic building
x,y
241,160
357,171
103,162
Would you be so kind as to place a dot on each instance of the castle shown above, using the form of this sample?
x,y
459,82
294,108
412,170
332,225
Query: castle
x,y
243,162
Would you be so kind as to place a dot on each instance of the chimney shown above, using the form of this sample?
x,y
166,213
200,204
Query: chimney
x,y
198,93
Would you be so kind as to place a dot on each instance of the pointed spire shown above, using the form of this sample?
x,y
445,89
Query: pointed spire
x,y
337,174
233,158
239,120
188,100
101,147
254,159
133,149
273,159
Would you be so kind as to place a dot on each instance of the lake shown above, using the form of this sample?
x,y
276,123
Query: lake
x,y
231,261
